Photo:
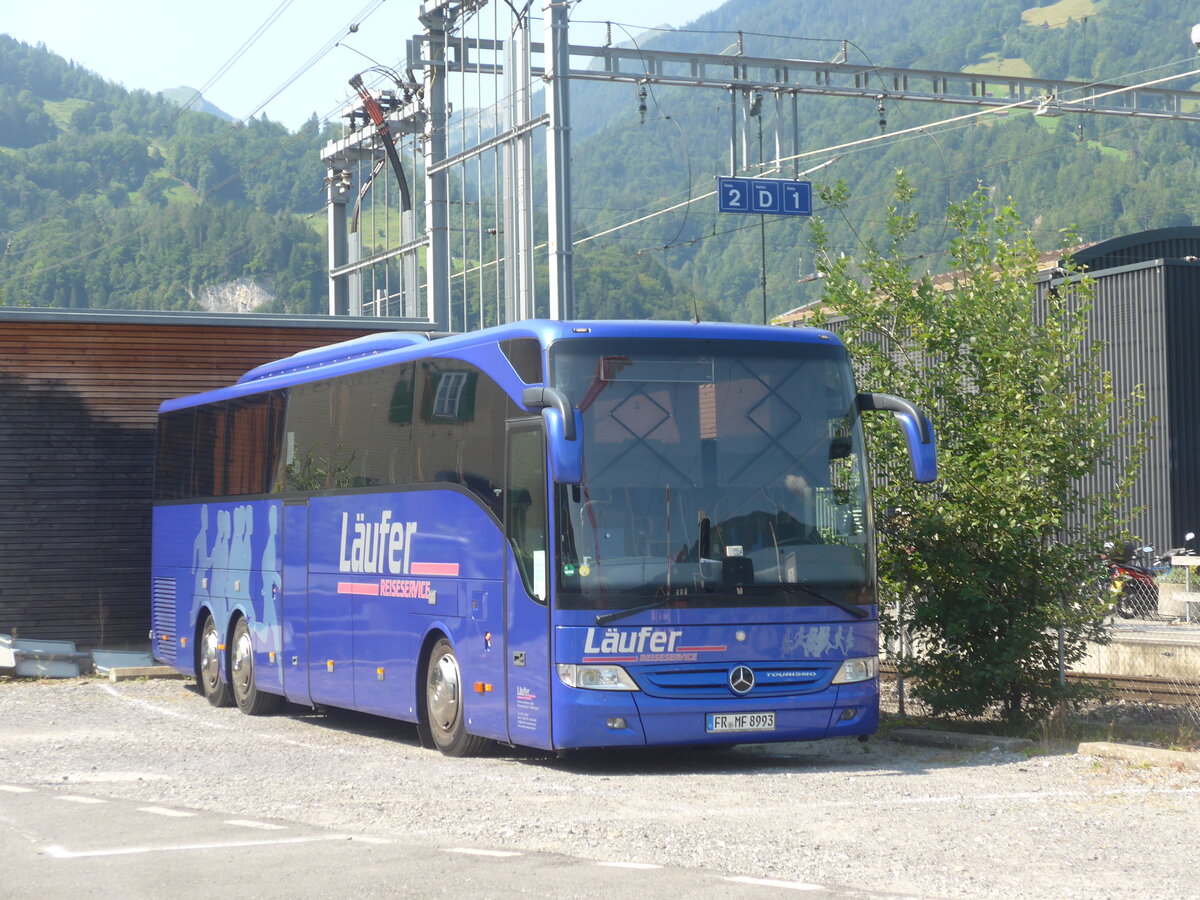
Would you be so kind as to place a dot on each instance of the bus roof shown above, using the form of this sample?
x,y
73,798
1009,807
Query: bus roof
x,y
375,350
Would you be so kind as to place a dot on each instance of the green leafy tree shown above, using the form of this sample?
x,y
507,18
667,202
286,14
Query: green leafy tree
x,y
998,559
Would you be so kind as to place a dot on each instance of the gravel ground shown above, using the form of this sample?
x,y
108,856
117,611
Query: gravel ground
x,y
879,817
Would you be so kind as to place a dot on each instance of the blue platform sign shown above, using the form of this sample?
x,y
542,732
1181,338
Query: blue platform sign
x,y
765,196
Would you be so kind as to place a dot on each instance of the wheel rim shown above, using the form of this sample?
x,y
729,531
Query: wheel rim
x,y
210,658
243,660
444,692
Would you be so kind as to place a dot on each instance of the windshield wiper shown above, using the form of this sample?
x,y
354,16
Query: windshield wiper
x,y
852,608
605,618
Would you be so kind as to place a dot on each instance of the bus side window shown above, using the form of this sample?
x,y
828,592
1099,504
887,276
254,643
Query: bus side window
x,y
208,468
311,463
173,464
460,435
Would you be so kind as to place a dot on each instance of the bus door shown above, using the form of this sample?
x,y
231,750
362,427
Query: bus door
x,y
527,594
293,619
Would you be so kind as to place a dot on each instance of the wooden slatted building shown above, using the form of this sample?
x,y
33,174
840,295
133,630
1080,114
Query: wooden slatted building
x,y
78,395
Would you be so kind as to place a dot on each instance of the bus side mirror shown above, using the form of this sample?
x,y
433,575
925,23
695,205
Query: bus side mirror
x,y
918,432
563,428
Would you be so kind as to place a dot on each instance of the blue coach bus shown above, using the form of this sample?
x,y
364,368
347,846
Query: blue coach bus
x,y
553,534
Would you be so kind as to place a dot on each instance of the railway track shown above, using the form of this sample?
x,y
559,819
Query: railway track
x,y
1144,688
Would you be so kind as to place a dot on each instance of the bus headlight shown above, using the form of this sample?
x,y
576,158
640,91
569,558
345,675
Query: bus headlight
x,y
862,668
595,678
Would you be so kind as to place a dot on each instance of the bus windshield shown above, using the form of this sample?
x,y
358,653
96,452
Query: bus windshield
x,y
716,473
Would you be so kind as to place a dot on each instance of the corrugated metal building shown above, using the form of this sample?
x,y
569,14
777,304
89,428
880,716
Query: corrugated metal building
x,y
79,391
1147,314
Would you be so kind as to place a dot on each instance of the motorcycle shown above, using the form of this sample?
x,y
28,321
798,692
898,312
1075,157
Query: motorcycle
x,y
1132,586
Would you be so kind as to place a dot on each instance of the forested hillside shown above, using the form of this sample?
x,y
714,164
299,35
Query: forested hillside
x,y
113,198
116,198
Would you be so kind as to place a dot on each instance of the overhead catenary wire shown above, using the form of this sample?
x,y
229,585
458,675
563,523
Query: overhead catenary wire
x,y
916,129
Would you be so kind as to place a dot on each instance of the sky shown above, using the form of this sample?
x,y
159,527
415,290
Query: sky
x,y
157,46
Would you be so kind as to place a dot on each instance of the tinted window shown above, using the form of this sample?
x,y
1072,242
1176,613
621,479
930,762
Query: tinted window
x,y
525,508
374,418
208,460
460,440
525,354
311,461
173,457
252,444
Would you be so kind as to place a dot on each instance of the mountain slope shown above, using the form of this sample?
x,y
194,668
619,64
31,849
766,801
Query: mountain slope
x,y
115,198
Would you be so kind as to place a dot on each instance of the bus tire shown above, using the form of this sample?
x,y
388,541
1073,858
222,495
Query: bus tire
x,y
208,665
246,694
444,704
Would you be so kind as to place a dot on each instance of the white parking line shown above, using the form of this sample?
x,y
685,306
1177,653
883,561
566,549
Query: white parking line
x,y
472,852
164,811
628,865
262,826
14,789
63,853
775,883
75,798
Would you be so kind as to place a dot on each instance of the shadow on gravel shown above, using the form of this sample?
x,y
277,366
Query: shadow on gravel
x,y
747,759
357,722
347,720
877,757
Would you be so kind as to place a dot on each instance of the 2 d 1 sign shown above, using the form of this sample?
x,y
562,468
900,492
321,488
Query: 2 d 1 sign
x,y
764,196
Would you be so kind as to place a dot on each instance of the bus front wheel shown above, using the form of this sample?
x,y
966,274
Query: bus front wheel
x,y
249,698
209,667
444,704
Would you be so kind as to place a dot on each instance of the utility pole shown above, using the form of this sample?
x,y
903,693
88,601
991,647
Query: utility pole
x,y
437,214
558,162
337,189
518,180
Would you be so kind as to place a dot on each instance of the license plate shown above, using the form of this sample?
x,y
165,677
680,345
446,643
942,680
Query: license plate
x,y
719,723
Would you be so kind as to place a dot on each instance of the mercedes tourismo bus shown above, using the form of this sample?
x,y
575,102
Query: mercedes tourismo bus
x,y
552,534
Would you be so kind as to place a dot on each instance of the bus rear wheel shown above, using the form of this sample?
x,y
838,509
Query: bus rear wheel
x,y
246,694
444,704
209,668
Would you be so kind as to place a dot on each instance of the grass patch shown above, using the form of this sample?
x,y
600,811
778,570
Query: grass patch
x,y
60,111
161,187
1056,15
993,64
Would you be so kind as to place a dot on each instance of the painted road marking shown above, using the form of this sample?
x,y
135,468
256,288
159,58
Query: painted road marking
x,y
472,852
772,882
13,789
75,798
262,826
164,811
63,853
628,865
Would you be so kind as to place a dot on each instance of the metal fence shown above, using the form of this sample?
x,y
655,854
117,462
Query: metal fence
x,y
1148,672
